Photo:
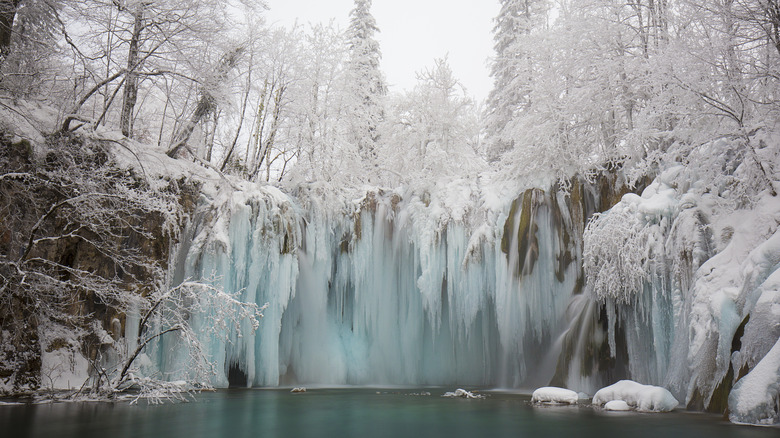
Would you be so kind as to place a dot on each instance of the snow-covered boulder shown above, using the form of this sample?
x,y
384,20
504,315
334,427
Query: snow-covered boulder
x,y
616,405
552,394
755,399
646,398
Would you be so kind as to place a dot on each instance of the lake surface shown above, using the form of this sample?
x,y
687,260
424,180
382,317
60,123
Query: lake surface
x,y
353,413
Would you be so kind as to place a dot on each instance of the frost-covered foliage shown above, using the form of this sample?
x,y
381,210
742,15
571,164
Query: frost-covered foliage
x,y
172,311
365,82
432,132
511,70
645,398
699,311
619,252
587,84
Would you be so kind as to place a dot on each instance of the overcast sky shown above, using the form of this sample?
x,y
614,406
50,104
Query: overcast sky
x,y
413,33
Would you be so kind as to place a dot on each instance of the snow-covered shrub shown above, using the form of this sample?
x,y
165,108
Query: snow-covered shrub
x,y
171,313
624,245
615,257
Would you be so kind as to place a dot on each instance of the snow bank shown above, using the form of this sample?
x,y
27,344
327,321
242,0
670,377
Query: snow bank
x,y
645,398
755,399
64,368
551,394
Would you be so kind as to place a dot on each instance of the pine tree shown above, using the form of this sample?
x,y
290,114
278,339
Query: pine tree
x,y
510,69
366,87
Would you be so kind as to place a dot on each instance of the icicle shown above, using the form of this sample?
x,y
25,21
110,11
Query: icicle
x,y
391,291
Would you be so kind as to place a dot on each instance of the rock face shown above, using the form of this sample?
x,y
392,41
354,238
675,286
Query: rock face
x,y
73,241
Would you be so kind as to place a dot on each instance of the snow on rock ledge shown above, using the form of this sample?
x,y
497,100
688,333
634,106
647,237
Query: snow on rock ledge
x,y
645,398
551,394
755,399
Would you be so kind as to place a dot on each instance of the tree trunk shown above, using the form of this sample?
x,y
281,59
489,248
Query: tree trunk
x,y
130,96
8,10
206,104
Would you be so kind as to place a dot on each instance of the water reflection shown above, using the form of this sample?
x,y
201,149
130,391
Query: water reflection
x,y
351,413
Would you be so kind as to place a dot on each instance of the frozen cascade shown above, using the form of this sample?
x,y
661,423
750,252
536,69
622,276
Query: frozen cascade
x,y
392,291
689,274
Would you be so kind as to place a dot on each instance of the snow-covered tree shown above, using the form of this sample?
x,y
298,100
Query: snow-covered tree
x,y
511,68
365,82
434,129
315,129
28,35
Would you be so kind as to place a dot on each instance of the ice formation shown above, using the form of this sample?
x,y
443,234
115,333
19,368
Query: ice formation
x,y
755,398
390,289
419,288
551,394
695,300
645,398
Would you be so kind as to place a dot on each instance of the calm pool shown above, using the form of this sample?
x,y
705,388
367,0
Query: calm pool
x,y
353,413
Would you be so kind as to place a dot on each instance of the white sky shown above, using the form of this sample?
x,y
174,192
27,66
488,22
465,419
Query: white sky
x,y
413,33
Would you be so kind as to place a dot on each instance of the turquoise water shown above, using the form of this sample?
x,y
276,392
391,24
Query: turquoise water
x,y
353,413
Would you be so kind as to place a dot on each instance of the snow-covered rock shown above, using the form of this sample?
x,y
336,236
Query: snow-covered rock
x,y
645,398
616,405
463,394
755,399
552,394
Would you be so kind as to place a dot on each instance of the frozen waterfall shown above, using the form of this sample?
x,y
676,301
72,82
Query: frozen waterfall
x,y
391,291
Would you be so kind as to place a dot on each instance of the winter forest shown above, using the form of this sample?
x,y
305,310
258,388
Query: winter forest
x,y
192,198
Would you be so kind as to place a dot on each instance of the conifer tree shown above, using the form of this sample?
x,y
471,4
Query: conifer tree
x,y
365,87
510,69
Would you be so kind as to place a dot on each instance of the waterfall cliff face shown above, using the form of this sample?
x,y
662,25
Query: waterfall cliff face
x,y
687,275
393,290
